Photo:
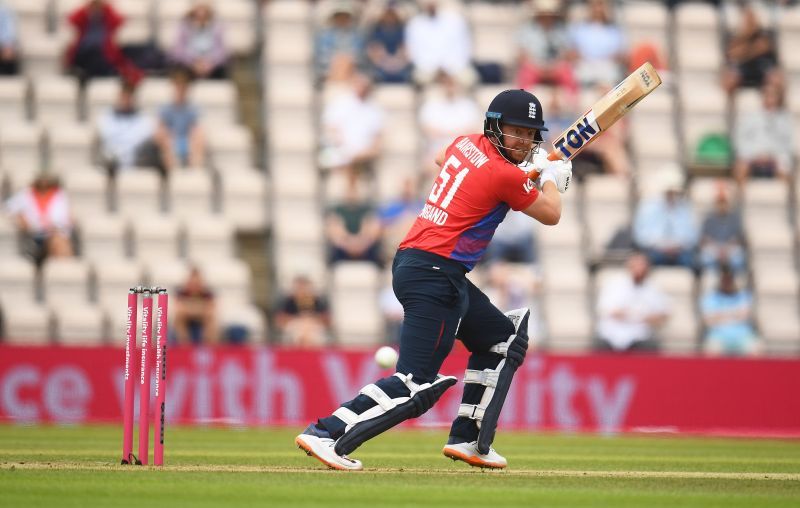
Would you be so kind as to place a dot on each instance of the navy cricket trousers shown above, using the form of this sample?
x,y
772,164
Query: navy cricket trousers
x,y
439,304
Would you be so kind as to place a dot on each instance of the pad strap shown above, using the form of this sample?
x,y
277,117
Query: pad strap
x,y
486,377
473,411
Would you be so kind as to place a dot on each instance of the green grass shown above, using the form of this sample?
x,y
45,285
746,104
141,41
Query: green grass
x,y
215,467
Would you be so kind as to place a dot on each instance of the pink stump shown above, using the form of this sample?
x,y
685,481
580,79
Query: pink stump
x,y
130,374
144,376
161,376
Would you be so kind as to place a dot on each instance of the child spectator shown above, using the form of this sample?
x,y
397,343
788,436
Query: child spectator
x,y
200,44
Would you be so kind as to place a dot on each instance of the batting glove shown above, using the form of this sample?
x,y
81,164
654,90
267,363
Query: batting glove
x,y
559,171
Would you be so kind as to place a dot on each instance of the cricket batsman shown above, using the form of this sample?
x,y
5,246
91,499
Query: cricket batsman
x,y
482,177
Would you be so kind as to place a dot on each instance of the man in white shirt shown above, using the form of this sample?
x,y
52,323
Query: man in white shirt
x,y
352,127
124,130
439,39
630,310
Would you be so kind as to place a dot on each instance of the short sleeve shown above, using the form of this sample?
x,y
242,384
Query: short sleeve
x,y
512,186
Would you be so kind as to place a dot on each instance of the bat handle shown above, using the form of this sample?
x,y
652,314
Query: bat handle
x,y
552,156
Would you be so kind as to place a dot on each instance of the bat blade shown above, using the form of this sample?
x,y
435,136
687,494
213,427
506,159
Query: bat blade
x,y
604,113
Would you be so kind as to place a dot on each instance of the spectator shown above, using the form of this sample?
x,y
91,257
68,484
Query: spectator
x,y
600,46
353,229
722,234
94,52
303,318
764,139
352,126
200,43
339,46
126,134
195,319
664,225
444,116
728,316
42,214
180,137
750,52
630,310
545,49
439,40
9,57
386,46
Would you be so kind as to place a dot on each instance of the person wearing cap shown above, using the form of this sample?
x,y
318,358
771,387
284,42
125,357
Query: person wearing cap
x,y
664,225
483,177
339,46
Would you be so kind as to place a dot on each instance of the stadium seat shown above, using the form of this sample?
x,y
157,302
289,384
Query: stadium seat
x,y
138,26
217,101
70,146
41,56
26,323
569,323
209,237
87,190
239,20
100,95
13,99
113,278
18,279
245,202
494,28
703,191
156,237
104,236
231,146
168,16
9,248
153,93
354,303
65,282
248,316
21,146
167,273
79,325
138,191
191,192
607,210
283,126
55,99
391,173
679,334
32,16
296,258
645,22
230,278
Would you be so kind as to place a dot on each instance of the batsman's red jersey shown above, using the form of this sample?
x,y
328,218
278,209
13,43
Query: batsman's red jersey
x,y
470,198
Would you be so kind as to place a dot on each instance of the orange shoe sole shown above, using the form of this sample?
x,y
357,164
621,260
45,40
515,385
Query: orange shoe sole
x,y
300,444
471,460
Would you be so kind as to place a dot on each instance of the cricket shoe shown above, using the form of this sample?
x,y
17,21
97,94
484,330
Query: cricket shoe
x,y
317,443
468,452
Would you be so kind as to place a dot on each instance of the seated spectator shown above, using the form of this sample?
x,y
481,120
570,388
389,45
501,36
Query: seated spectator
x,y
722,234
339,46
764,139
728,316
446,115
545,49
195,320
180,137
386,47
352,127
630,310
9,44
664,225
126,134
750,51
513,240
303,318
94,52
200,43
600,46
438,39
353,229
43,217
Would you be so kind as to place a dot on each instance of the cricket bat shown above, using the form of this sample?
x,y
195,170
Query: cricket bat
x,y
603,114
